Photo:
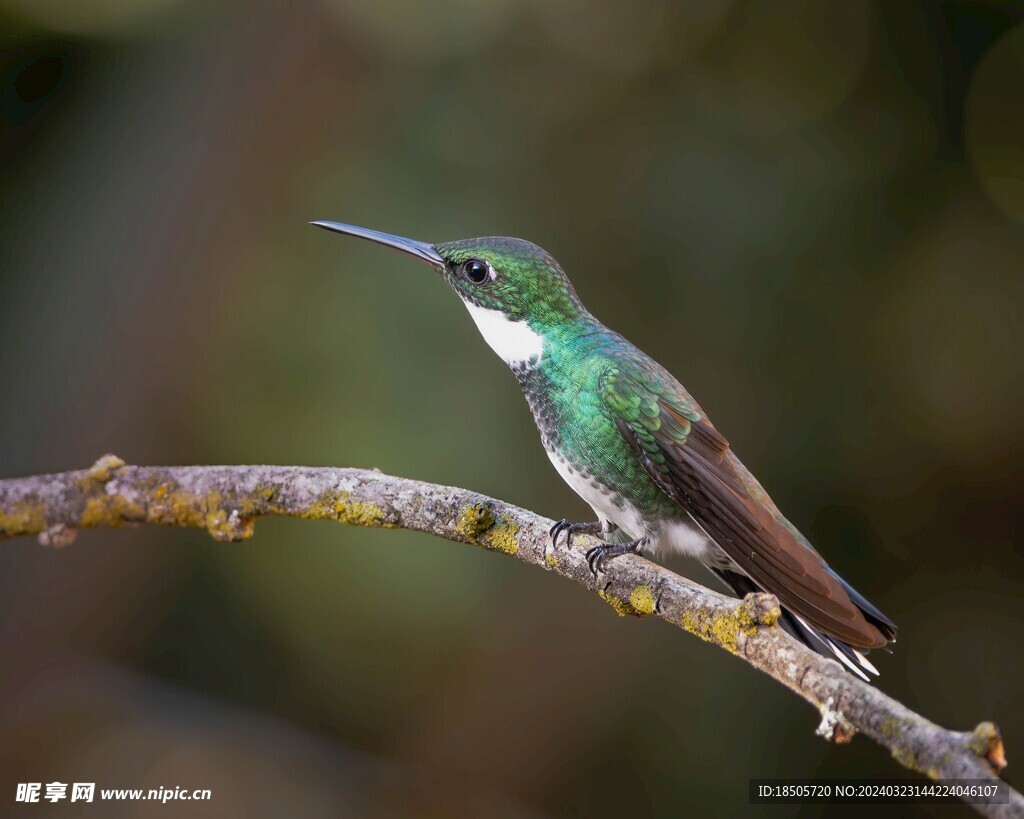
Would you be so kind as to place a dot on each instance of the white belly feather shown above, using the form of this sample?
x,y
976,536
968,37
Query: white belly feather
x,y
666,537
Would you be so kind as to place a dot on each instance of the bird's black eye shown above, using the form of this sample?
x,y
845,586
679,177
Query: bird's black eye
x,y
476,271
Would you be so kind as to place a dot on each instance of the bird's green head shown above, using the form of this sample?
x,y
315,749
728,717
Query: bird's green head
x,y
516,292
513,276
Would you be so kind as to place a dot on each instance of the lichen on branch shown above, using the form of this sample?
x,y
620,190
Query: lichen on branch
x,y
226,501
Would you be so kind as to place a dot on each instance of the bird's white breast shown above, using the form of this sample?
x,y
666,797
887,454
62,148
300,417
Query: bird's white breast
x,y
514,341
667,537
599,498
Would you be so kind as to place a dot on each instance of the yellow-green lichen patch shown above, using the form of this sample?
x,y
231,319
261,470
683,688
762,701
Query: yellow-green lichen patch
x,y
749,615
340,507
478,524
892,727
502,536
359,513
642,600
176,507
722,628
26,517
99,473
108,511
261,502
228,528
622,607
323,507
103,470
906,758
474,521
551,560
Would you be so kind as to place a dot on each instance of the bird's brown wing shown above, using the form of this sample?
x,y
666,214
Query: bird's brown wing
x,y
691,462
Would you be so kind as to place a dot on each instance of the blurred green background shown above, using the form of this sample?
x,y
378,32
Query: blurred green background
x,y
812,213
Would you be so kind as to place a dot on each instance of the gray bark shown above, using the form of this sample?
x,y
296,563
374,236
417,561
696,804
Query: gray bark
x,y
226,500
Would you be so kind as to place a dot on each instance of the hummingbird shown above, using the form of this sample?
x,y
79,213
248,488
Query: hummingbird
x,y
629,439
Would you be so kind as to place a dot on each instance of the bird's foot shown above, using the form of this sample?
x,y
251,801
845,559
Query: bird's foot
x,y
599,554
596,528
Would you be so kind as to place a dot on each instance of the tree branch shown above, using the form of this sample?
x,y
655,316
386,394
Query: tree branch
x,y
225,500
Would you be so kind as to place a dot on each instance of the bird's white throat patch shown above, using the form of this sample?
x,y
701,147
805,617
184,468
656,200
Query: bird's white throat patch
x,y
513,341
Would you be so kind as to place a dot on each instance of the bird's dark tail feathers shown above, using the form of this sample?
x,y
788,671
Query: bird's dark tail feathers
x,y
794,625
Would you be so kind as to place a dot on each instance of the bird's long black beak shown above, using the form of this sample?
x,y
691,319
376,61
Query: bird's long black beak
x,y
419,250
